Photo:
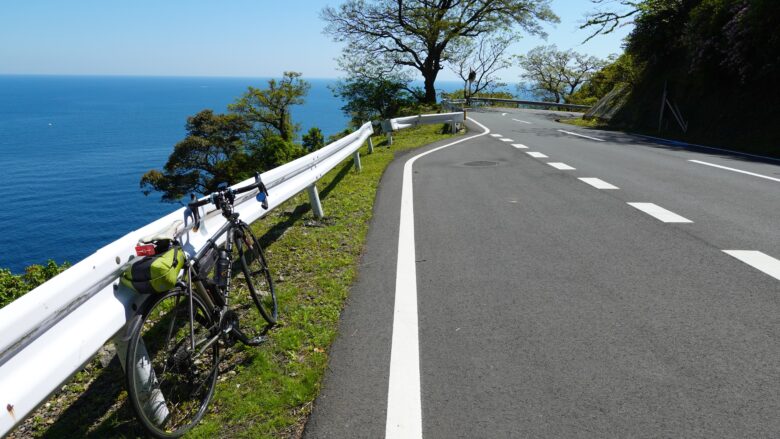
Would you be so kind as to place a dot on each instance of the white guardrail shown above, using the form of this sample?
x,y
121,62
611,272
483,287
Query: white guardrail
x,y
51,332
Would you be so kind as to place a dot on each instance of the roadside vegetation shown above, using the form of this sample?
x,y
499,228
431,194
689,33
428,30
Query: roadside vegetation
x,y
13,286
715,61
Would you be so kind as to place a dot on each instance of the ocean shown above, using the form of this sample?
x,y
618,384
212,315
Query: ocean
x,y
73,149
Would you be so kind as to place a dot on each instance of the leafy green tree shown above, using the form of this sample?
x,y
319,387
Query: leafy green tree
x,y
273,152
13,286
417,34
620,71
213,152
256,135
269,109
556,74
313,140
370,99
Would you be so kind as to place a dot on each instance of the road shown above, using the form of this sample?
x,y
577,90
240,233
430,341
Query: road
x,y
562,286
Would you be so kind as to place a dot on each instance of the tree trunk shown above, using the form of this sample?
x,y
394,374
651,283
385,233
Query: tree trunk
x,y
430,89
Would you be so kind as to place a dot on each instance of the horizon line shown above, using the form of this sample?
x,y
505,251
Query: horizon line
x,y
131,75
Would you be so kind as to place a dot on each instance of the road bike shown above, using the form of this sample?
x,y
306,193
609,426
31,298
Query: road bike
x,y
175,342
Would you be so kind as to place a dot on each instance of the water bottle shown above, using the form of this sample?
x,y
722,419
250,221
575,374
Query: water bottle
x,y
221,275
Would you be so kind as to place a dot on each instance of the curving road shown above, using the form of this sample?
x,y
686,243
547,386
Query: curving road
x,y
563,286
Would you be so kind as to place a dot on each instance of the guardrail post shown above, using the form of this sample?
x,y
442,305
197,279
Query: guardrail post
x,y
356,157
314,200
389,138
153,399
370,146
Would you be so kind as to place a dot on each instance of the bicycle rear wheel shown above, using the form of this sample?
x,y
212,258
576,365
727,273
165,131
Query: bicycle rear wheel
x,y
256,275
168,383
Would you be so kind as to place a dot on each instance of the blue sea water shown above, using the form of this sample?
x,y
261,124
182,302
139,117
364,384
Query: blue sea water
x,y
73,149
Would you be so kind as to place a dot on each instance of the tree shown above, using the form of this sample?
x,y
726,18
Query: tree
x,y
620,71
484,56
372,90
557,74
417,34
213,152
269,109
371,99
604,21
256,135
313,140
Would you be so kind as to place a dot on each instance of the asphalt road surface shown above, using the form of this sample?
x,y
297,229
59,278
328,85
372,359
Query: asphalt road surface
x,y
562,286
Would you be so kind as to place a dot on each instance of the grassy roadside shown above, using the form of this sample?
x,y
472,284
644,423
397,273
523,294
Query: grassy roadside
x,y
580,122
266,391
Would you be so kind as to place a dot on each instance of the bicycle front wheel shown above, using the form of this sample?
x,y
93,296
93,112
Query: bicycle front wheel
x,y
256,275
169,383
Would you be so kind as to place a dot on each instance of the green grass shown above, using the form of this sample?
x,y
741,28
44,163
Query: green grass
x,y
266,391
580,122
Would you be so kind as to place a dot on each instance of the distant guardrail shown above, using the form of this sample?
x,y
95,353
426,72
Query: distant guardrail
x,y
452,105
50,333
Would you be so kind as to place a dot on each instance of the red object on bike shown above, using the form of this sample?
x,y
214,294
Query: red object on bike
x,y
145,250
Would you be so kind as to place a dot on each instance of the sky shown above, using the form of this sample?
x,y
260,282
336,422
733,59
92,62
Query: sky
x,y
239,38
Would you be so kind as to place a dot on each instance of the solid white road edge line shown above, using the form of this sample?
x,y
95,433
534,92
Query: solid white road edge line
x,y
521,121
599,183
519,146
404,406
561,166
582,135
537,155
735,170
660,213
758,260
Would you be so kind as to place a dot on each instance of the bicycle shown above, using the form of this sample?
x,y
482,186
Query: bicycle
x,y
173,353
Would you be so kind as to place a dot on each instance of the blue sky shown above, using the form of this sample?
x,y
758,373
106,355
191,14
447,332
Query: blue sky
x,y
253,38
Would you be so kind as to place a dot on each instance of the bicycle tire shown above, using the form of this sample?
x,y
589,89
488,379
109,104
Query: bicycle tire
x,y
257,275
169,390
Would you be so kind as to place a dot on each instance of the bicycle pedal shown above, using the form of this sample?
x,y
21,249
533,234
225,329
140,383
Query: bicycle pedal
x,y
257,341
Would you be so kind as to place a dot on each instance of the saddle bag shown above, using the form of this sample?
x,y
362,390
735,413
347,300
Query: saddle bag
x,y
157,273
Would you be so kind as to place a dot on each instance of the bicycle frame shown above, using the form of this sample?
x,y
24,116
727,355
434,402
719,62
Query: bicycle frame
x,y
194,278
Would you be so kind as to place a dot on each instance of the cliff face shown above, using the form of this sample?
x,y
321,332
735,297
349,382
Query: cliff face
x,y
717,62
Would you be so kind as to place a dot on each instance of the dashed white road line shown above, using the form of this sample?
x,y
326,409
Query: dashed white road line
x,y
506,140
404,406
660,213
522,121
503,114
537,155
582,135
561,166
758,260
735,170
519,146
496,135
599,183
